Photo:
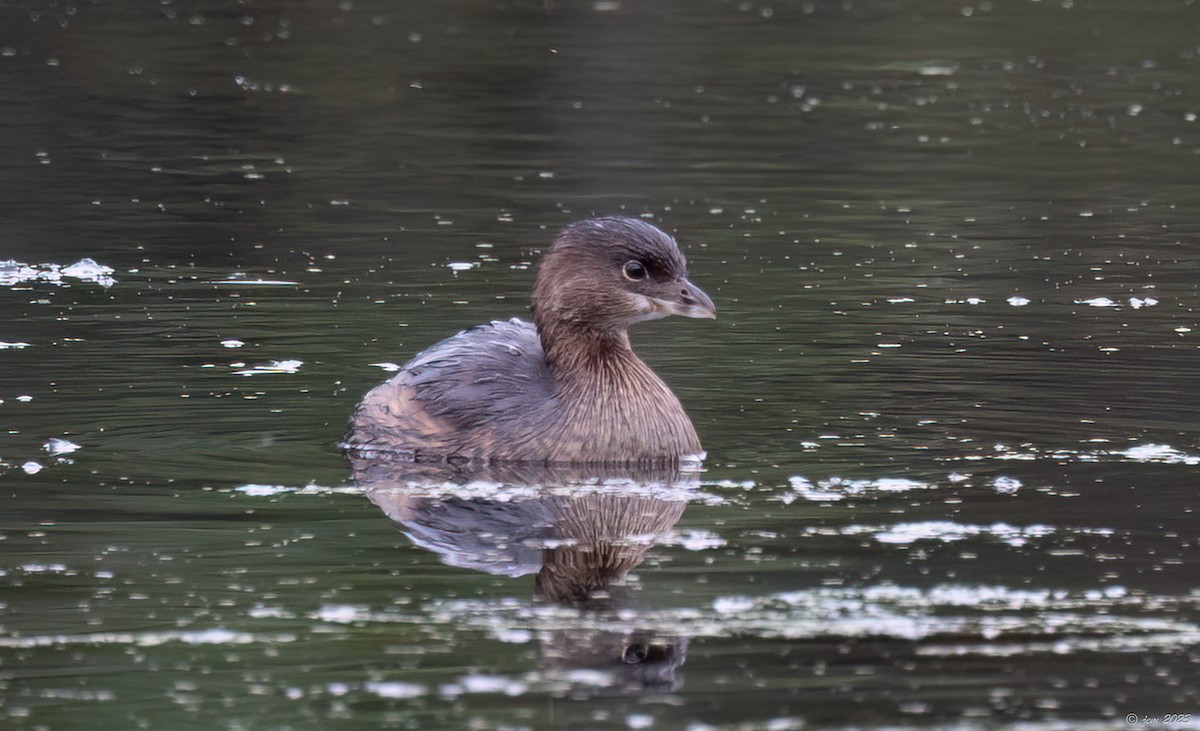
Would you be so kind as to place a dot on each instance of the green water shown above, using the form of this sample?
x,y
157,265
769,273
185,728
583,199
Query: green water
x,y
949,403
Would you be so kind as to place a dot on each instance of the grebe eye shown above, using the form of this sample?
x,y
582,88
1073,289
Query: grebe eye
x,y
635,653
634,271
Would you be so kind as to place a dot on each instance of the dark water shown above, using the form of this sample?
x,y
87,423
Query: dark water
x,y
950,404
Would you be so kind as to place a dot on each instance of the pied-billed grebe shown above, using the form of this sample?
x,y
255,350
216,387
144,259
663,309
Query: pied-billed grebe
x,y
567,388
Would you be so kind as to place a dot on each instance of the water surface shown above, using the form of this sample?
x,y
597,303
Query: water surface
x,y
949,404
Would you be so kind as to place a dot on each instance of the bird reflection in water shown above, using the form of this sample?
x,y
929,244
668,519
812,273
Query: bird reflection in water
x,y
580,531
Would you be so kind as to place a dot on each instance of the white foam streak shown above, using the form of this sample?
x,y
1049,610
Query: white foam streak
x,y
213,636
13,272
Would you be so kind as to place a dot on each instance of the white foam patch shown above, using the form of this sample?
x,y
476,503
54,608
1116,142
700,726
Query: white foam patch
x,y
1162,453
492,684
732,605
264,490
395,690
341,613
261,612
13,272
946,531
41,568
56,446
88,270
834,489
1150,453
274,367
256,490
513,636
1006,485
589,677
949,531
693,540
937,69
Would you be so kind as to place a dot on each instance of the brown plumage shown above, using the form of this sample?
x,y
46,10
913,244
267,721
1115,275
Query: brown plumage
x,y
567,388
